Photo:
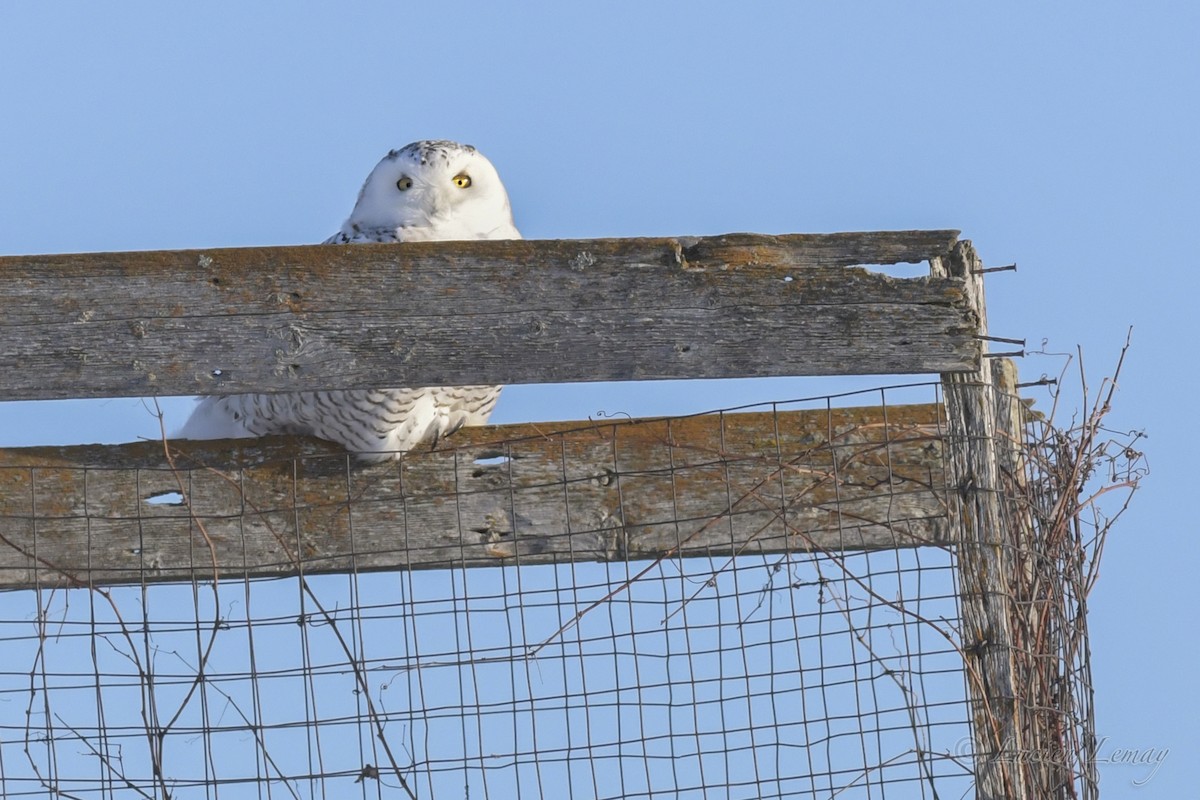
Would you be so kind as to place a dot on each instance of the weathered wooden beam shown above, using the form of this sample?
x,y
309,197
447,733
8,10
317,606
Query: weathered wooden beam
x,y
978,439
713,485
451,313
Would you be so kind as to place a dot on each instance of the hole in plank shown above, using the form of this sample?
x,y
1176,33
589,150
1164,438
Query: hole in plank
x,y
918,269
165,499
491,461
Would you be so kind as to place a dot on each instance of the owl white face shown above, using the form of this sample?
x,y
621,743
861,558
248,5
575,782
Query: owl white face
x,y
434,190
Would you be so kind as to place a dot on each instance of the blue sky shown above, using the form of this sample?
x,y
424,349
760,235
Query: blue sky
x,y
1058,136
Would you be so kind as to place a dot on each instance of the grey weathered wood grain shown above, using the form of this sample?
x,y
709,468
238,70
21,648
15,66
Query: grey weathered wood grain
x,y
978,437
321,317
713,485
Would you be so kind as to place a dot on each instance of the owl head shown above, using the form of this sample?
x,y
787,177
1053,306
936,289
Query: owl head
x,y
434,189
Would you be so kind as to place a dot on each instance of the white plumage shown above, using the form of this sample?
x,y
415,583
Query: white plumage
x,y
425,191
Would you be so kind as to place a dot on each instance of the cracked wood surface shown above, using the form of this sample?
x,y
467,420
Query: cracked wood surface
x,y
223,321
711,485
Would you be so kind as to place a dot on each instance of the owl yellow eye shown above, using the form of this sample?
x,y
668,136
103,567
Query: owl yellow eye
x,y
462,180
404,184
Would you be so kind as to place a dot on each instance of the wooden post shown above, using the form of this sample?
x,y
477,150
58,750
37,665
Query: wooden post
x,y
976,436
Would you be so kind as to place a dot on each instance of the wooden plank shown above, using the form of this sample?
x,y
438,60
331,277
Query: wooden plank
x,y
451,313
712,485
978,437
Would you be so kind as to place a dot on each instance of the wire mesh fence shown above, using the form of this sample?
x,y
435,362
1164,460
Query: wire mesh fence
x,y
765,603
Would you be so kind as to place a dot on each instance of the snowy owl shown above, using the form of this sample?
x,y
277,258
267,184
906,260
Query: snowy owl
x,y
425,191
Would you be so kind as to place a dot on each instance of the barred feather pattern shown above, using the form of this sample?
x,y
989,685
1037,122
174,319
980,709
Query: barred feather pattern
x,y
415,193
374,424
